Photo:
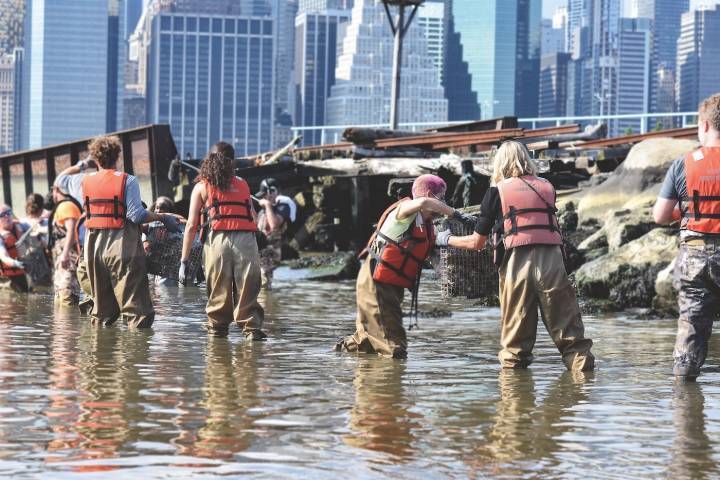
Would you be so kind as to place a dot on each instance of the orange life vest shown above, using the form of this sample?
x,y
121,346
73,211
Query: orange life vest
x,y
104,193
528,208
400,262
229,210
10,238
702,177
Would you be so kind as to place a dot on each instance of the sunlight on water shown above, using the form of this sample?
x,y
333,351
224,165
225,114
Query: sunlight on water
x,y
80,402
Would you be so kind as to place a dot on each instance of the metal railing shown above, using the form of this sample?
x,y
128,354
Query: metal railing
x,y
329,134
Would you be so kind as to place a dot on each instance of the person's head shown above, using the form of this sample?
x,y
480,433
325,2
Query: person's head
x,y
430,186
269,189
467,166
709,120
218,168
512,159
105,150
34,205
6,217
163,205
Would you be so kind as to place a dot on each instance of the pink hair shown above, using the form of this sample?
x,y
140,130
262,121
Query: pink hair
x,y
428,186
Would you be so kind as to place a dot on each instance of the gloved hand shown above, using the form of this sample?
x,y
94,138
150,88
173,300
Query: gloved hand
x,y
442,238
182,274
171,223
85,164
465,218
17,264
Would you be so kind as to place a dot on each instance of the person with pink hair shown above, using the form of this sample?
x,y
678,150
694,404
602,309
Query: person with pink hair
x,y
393,259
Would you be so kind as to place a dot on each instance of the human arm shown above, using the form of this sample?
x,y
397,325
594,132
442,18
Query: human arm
x,y
490,210
274,220
70,241
6,259
667,206
468,242
666,211
410,208
79,167
196,202
138,214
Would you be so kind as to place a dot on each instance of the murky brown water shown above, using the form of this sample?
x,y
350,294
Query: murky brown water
x,y
76,402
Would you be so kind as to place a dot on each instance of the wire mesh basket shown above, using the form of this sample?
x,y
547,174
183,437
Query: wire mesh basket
x,y
465,273
31,251
163,257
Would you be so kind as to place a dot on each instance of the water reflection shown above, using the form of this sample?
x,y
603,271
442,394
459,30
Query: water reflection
x,y
230,391
528,427
692,455
382,419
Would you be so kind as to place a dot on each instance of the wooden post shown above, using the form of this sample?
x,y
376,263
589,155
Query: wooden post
x,y
74,153
27,171
50,166
6,183
127,154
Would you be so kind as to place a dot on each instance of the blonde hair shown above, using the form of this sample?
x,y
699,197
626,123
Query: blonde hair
x,y
710,110
512,159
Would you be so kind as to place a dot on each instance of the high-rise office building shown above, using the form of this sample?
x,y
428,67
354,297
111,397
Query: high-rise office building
x,y
698,58
579,28
605,32
12,17
284,17
552,98
502,49
431,18
665,15
65,72
317,34
211,78
361,94
7,102
323,5
457,81
633,73
553,39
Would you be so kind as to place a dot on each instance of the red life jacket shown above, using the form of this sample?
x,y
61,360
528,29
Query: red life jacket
x,y
10,238
400,262
528,208
229,210
702,177
104,193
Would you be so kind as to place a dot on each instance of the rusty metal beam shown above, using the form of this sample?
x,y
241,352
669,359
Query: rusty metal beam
x,y
431,139
317,148
689,132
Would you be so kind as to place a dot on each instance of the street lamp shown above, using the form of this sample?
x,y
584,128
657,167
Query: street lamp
x,y
399,28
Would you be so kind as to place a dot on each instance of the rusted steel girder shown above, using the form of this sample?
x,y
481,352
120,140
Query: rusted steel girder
x,y
689,132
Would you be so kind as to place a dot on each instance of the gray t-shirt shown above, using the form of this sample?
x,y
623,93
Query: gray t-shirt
x,y
674,186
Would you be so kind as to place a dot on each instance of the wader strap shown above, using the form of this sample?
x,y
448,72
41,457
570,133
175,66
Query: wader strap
x,y
414,303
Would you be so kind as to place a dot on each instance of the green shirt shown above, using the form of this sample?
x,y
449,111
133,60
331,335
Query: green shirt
x,y
394,228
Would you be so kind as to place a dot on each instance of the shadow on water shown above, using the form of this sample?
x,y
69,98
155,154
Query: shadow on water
x,y
84,402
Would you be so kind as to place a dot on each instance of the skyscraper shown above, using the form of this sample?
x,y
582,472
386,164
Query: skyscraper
x,y
65,71
431,18
7,83
698,58
210,76
284,16
553,39
457,81
633,72
527,65
665,15
502,49
361,94
317,33
306,6
553,85
12,17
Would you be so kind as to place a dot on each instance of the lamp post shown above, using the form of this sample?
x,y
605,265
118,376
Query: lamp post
x,y
399,28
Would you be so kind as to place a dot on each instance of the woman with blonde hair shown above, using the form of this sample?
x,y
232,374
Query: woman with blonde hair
x,y
519,211
232,261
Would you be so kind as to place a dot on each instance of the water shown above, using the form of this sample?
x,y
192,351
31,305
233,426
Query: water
x,y
79,402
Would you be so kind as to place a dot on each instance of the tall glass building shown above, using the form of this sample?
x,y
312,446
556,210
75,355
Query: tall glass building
x,y
65,77
316,38
698,58
211,78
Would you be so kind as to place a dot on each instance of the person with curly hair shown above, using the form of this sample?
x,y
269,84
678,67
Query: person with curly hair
x,y
113,253
232,261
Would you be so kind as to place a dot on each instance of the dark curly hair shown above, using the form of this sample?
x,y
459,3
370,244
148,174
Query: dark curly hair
x,y
34,205
218,167
105,150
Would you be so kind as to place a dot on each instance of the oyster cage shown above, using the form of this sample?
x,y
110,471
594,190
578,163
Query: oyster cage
x,y
163,257
465,273
31,251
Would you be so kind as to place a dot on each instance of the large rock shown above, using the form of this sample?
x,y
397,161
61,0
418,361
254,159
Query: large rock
x,y
665,300
635,181
625,226
628,274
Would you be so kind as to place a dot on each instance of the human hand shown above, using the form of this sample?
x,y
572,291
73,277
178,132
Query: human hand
x,y
85,164
264,202
182,274
442,238
65,260
465,218
171,223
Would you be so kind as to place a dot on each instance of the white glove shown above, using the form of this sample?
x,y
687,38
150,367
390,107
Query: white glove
x,y
17,264
442,238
